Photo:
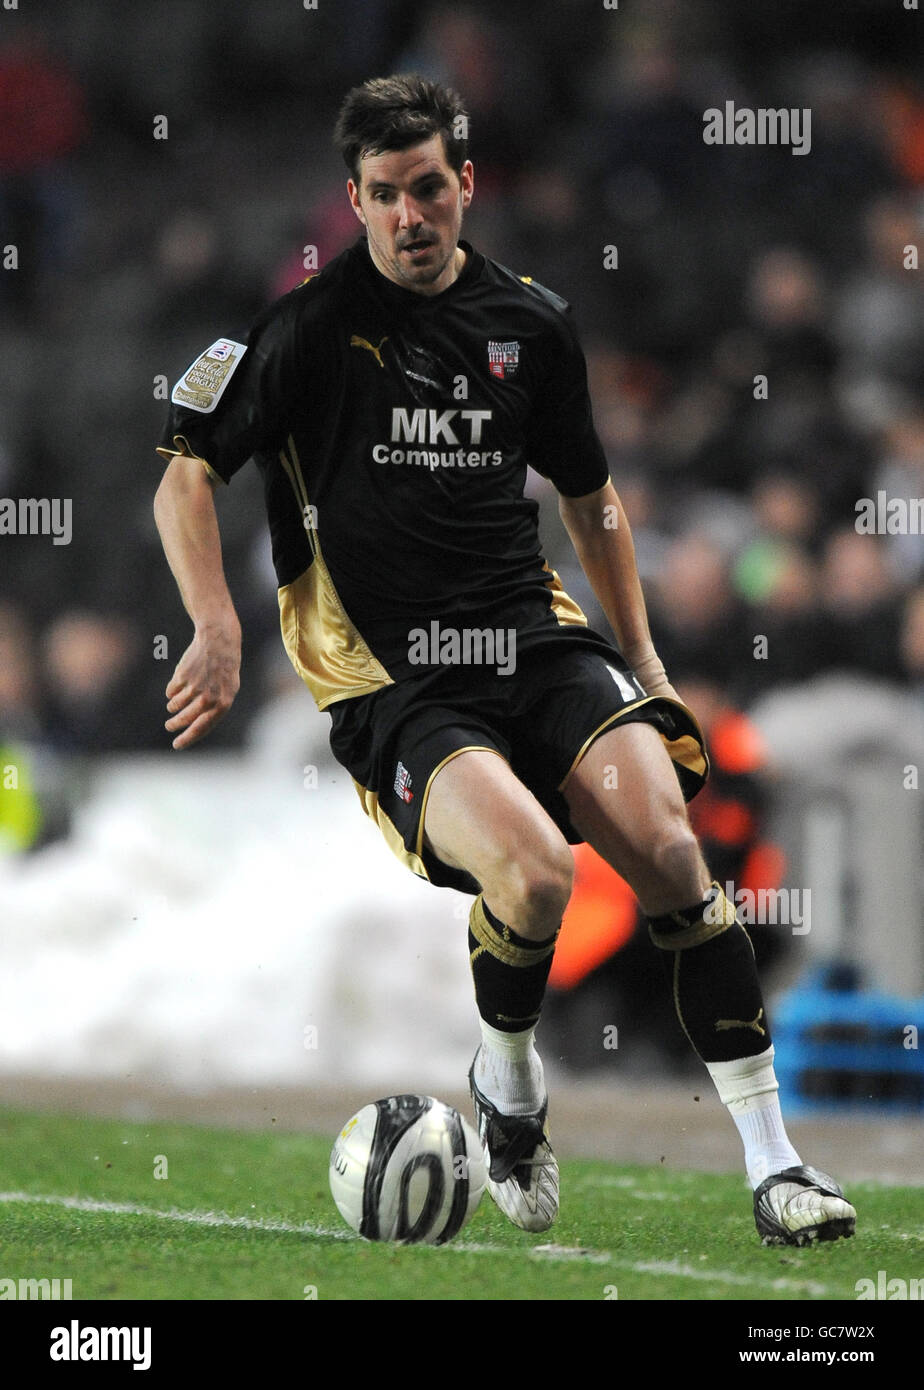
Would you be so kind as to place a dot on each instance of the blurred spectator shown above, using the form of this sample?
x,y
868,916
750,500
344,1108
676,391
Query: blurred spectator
x,y
900,474
786,302
189,283
879,321
21,812
546,238
88,667
911,641
19,710
697,621
901,109
331,228
781,582
860,605
42,121
787,506
464,45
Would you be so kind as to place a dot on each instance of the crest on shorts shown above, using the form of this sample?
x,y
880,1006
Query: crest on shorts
x,y
403,783
503,358
201,385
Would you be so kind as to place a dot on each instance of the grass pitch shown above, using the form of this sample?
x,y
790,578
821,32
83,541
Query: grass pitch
x,y
248,1215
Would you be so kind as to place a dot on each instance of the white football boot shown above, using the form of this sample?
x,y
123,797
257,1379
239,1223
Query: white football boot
x,y
522,1170
802,1205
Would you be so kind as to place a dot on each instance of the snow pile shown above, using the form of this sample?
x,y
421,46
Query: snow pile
x,y
209,924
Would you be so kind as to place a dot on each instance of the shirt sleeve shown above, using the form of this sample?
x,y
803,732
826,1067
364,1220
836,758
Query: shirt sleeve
x,y
562,443
236,399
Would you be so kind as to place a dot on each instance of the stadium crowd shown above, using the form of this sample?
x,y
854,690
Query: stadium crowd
x,y
756,352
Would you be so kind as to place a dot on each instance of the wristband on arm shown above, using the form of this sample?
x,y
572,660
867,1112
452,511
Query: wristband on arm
x,y
649,668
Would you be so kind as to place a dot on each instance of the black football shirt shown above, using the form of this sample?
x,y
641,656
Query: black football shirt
x,y
393,431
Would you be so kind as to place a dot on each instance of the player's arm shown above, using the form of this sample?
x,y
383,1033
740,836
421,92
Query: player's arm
x,y
207,676
602,539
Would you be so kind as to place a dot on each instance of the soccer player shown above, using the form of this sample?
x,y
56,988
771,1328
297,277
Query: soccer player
x,y
392,404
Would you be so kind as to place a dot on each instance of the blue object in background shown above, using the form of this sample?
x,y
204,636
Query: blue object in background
x,y
840,1046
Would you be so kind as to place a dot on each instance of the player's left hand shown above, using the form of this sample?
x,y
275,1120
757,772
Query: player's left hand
x,y
649,668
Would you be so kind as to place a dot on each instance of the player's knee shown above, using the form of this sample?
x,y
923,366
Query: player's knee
x,y
676,866
528,885
540,886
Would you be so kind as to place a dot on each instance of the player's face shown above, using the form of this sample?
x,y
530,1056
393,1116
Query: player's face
x,y
411,204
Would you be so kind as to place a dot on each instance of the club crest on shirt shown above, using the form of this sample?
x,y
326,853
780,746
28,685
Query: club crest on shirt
x,y
503,358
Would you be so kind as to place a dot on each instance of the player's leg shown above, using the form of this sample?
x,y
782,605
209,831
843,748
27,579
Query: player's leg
x,y
637,821
624,799
481,819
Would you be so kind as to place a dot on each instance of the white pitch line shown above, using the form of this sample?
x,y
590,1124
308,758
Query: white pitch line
x,y
189,1218
724,1277
555,1253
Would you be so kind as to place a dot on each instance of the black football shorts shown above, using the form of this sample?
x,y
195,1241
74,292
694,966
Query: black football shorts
x,y
542,718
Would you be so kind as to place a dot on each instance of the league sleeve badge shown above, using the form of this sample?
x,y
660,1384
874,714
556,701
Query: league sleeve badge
x,y
201,385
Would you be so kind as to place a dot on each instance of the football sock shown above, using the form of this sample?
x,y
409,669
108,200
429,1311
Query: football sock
x,y
508,1070
510,975
718,1000
748,1089
710,962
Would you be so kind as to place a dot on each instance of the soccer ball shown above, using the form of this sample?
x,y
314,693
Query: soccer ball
x,y
407,1168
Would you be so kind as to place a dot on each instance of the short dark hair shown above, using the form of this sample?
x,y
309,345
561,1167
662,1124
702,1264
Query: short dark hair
x,y
392,113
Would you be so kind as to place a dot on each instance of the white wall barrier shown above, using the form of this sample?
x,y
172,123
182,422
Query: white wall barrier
x,y
848,755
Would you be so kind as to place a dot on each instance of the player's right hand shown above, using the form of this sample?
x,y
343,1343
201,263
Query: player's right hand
x,y
204,684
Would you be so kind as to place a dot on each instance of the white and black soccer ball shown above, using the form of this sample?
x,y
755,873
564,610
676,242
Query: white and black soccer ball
x,y
407,1168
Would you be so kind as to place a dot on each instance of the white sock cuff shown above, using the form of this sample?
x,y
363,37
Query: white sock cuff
x,y
747,1084
513,1046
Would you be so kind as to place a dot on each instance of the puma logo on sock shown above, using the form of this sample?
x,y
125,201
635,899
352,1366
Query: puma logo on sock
x,y
723,1024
